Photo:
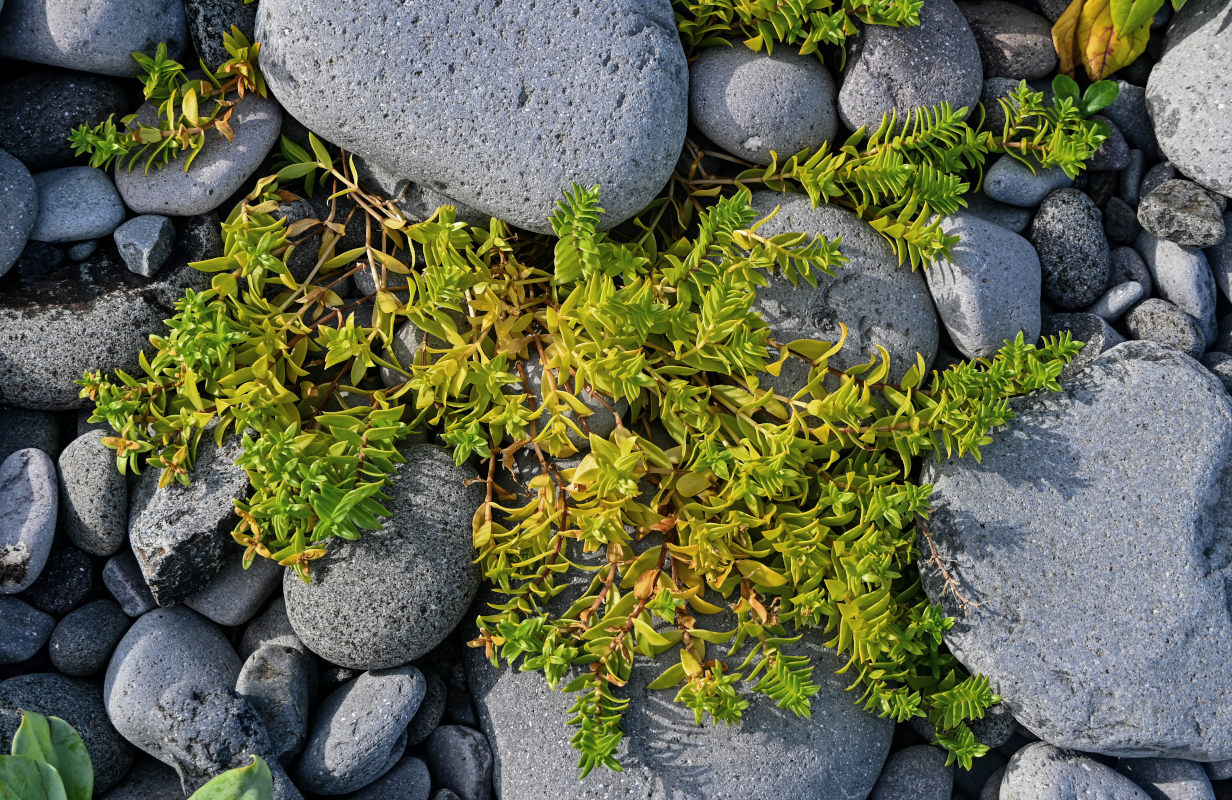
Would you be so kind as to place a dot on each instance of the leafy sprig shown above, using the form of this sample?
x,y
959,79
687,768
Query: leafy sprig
x,y
807,24
187,109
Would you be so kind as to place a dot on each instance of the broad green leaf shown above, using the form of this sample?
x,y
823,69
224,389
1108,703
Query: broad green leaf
x,y
24,778
1099,95
253,782
52,740
1129,15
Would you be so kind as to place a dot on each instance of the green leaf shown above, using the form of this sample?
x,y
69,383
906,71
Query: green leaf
x,y
24,778
1066,88
53,741
1099,95
1129,15
253,782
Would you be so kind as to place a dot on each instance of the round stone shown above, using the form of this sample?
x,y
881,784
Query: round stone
x,y
84,640
27,517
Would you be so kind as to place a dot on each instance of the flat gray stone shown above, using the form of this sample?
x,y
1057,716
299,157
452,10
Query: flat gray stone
x,y
180,534
27,518
989,289
1219,258
122,577
20,195
1068,235
880,301
1182,212
1190,91
409,780
96,37
144,243
666,755
1117,301
79,703
751,103
1168,778
501,105
82,644
75,203
1013,42
234,595
161,649
1042,772
1183,277
918,772
275,682
459,759
1011,181
1091,494
394,594
39,110
217,172
23,630
358,733
93,495
906,67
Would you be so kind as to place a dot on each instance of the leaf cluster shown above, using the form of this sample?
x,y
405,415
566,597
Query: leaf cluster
x,y
187,109
806,24
1104,35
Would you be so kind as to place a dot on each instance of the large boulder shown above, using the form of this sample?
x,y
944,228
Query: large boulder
x,y
1190,91
394,594
499,105
880,301
837,753
1086,556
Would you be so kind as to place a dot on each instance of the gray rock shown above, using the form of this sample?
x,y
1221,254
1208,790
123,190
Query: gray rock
x,y
1013,42
1218,770
217,172
147,780
144,243
204,731
93,495
39,110
1068,234
1120,221
988,291
37,259
180,533
1168,778
1117,301
1182,212
1156,176
161,649
1220,365
75,203
918,772
101,39
1137,442
409,780
27,517
394,594
1219,257
23,630
971,782
1113,154
1182,277
20,194
905,67
601,98
751,103
82,250
1162,322
1012,218
1042,772
1131,177
665,754
992,788
993,729
432,709
99,322
444,794
406,343
879,300
994,90
79,703
358,733
21,428
64,583
1189,92
1011,181
1129,112
234,595
208,20
275,682
1127,266
122,577
270,627
82,644
459,759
